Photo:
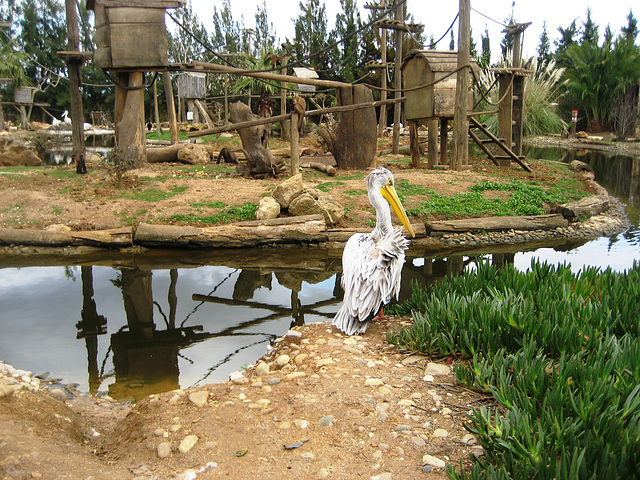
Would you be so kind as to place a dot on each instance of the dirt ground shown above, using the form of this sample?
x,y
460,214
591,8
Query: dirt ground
x,y
347,407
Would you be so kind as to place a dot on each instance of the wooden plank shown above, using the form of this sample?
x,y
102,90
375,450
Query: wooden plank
x,y
493,224
138,45
135,15
140,3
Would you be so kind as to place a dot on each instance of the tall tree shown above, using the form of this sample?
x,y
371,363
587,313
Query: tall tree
x,y
265,34
567,39
347,23
452,42
43,32
544,46
630,32
589,30
485,56
311,35
227,33
189,42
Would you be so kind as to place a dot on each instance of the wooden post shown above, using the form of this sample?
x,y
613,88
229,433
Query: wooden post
x,y
155,108
295,146
283,100
460,155
75,80
171,108
382,122
432,156
130,131
397,108
444,122
414,143
505,108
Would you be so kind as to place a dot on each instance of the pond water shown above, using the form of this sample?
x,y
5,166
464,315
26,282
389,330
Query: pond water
x,y
130,325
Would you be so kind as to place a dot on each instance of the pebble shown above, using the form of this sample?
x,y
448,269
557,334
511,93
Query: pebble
x,y
440,432
164,449
262,369
300,358
412,360
373,382
383,446
282,360
433,461
187,443
199,399
294,375
383,476
300,423
418,442
159,432
59,394
469,439
326,421
294,334
437,369
274,381
383,416
403,428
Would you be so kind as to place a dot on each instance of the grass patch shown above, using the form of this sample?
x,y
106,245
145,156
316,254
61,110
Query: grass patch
x,y
153,194
525,198
217,204
356,192
560,354
235,213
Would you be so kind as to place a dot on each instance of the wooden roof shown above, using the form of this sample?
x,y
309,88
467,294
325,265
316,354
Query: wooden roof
x,y
135,3
439,60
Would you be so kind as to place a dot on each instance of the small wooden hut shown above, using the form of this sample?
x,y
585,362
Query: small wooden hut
x,y
437,71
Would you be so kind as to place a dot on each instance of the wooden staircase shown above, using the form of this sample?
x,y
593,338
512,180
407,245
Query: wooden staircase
x,y
491,138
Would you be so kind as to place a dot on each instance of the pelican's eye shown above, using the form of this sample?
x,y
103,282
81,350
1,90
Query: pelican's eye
x,y
390,182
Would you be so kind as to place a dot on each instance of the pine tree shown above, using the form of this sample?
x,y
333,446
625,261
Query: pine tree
x,y
544,47
485,57
589,30
265,34
347,23
311,34
189,42
630,32
452,43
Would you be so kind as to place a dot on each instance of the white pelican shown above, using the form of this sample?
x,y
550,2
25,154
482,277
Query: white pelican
x,y
372,263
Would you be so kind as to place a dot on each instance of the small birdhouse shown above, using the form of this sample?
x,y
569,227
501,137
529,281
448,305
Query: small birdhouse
x,y
302,72
192,85
131,34
437,100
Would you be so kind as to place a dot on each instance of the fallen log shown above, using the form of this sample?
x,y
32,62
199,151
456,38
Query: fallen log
x,y
307,228
493,224
112,238
328,169
170,153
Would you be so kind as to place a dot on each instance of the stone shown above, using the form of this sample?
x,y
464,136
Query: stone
x,y
294,334
59,394
288,190
418,442
282,360
326,421
268,209
300,423
469,439
262,369
412,360
187,443
294,375
403,428
199,399
308,204
437,369
300,358
194,154
332,211
164,449
373,382
433,461
440,432
382,476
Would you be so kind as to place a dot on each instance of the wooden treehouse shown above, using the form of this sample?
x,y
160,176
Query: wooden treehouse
x,y
430,78
131,38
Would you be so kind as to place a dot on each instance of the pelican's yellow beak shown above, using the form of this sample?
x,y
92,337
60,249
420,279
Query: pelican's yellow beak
x,y
390,195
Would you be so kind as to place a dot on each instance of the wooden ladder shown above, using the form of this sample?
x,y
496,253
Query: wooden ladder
x,y
491,138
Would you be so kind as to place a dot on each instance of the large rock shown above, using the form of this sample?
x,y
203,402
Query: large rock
x,y
585,207
268,209
16,154
288,190
194,154
315,201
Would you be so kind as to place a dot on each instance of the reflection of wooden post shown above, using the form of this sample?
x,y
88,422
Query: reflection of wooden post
x,y
283,101
432,156
171,108
518,114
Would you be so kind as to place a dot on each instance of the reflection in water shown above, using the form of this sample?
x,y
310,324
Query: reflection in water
x,y
155,322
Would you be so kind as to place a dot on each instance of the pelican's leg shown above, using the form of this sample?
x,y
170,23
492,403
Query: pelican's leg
x,y
379,315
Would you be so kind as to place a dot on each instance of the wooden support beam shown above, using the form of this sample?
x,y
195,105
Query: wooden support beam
x,y
460,157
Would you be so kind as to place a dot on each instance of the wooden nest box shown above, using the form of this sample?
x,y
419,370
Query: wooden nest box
x,y
131,34
422,67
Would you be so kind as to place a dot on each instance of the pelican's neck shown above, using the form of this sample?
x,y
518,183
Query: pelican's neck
x,y
383,214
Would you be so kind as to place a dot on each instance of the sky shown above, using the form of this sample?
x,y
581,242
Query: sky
x,y
437,16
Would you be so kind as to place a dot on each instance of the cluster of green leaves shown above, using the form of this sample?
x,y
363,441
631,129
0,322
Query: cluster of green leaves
x,y
560,353
234,213
525,198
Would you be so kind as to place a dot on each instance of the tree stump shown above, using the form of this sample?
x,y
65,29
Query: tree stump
x,y
354,142
260,162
